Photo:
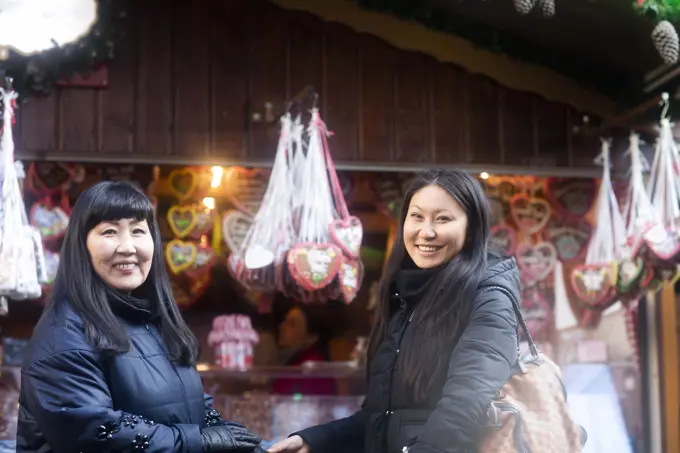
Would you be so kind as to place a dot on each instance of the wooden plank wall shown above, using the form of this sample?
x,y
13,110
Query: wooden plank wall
x,y
197,81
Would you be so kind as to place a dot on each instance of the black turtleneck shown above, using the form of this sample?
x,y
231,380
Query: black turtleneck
x,y
130,307
412,282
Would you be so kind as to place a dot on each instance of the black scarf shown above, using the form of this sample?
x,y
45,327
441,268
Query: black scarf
x,y
130,307
412,283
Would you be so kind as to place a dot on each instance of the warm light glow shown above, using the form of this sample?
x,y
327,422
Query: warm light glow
x,y
209,203
484,175
217,173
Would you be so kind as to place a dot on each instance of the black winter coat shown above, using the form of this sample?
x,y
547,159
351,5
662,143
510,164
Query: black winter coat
x,y
452,418
76,400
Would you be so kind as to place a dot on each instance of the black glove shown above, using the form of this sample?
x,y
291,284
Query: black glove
x,y
228,438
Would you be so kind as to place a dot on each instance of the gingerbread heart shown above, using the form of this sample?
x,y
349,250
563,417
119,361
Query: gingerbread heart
x,y
530,214
314,266
536,311
347,234
595,285
629,275
203,262
205,220
504,237
246,188
180,255
662,245
183,182
51,221
181,220
235,227
572,196
350,277
569,237
536,261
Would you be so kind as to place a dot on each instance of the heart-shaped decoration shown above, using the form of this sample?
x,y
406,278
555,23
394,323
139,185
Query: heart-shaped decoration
x,y
51,221
572,196
504,237
569,237
536,311
350,277
203,262
246,188
314,266
205,220
530,214
180,255
183,182
181,220
629,275
48,178
536,261
187,292
347,234
662,245
595,285
235,227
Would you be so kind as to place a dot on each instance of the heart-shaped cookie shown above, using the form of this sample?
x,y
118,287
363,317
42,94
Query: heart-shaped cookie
x,y
181,220
314,266
180,255
52,221
205,220
235,227
571,196
203,262
504,237
531,214
595,285
569,236
630,274
48,178
536,261
246,188
662,245
183,182
347,234
350,277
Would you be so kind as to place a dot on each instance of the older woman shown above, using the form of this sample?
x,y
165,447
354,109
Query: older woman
x,y
110,366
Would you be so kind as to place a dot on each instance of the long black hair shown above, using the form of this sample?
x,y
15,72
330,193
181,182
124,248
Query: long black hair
x,y
442,315
78,284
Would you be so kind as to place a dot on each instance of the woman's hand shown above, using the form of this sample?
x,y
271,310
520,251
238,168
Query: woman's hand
x,y
293,444
221,438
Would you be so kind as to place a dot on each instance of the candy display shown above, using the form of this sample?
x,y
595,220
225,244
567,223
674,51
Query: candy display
x,y
233,338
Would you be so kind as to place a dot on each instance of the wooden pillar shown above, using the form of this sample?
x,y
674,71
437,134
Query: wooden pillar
x,y
669,368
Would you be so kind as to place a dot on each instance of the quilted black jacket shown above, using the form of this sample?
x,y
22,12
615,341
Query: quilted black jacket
x,y
76,400
452,418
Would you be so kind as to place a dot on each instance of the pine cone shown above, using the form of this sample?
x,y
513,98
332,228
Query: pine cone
x,y
547,8
666,41
524,6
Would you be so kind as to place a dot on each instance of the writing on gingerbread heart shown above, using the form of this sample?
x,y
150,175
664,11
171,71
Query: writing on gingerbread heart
x,y
235,227
181,220
347,234
504,237
246,188
531,214
595,285
180,255
536,262
572,196
183,182
314,266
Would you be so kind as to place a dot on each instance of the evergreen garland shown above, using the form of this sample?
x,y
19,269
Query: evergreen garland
x,y
659,9
621,87
36,75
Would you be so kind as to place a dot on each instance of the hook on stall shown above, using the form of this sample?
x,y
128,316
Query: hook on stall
x,y
665,102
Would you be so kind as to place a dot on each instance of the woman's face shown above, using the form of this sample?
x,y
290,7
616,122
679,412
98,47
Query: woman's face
x,y
121,252
435,227
293,330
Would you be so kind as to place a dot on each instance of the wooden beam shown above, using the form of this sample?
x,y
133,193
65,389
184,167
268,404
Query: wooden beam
x,y
670,369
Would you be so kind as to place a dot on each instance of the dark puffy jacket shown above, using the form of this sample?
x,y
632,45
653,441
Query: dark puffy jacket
x,y
452,418
76,400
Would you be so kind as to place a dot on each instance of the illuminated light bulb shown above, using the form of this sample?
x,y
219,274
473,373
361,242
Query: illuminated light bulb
x,y
484,175
209,202
217,173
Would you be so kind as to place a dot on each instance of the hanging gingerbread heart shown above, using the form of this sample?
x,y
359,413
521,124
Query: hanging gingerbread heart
x,y
595,285
48,178
662,245
350,277
182,220
531,214
203,262
246,188
52,221
570,237
347,234
504,237
180,255
630,275
536,261
205,220
572,197
235,227
183,182
314,266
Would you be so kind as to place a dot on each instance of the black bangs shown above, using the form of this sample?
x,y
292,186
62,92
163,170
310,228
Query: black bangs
x,y
115,201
